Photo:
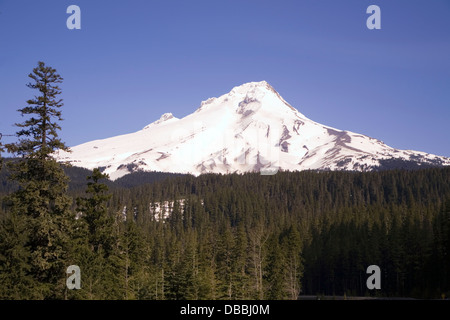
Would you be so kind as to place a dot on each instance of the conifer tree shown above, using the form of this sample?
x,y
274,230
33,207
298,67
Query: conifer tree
x,y
191,277
138,252
16,282
225,246
274,270
98,255
95,213
294,263
41,204
240,264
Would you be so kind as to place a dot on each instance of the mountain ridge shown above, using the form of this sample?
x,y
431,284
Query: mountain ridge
x,y
250,128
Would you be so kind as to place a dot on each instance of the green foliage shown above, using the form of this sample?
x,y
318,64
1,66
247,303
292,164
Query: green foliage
x,y
40,130
252,237
138,178
94,211
96,246
16,279
40,208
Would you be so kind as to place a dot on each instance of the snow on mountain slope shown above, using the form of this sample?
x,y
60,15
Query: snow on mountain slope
x,y
252,128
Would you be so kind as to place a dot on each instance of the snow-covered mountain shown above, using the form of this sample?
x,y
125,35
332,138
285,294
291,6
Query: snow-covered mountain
x,y
251,128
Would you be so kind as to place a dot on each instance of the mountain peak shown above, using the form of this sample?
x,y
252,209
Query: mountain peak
x,y
257,91
242,92
252,87
262,83
247,98
251,128
165,117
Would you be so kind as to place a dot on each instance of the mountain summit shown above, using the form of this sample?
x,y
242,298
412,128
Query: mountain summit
x,y
251,128
165,117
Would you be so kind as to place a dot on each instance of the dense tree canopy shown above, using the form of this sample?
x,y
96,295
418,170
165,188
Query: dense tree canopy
x,y
267,237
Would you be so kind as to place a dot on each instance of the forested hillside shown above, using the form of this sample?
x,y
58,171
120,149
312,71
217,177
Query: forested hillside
x,y
314,231
266,237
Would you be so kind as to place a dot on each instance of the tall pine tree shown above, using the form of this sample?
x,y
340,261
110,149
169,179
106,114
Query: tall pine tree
x,y
41,206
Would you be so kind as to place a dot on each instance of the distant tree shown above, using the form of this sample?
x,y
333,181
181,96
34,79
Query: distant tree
x,y
257,239
294,264
136,252
239,259
225,245
275,267
41,205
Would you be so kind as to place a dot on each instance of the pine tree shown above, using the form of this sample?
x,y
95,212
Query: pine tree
x,y
240,264
128,261
257,239
191,276
95,213
274,270
139,253
98,255
225,245
208,283
16,282
294,263
41,204
41,128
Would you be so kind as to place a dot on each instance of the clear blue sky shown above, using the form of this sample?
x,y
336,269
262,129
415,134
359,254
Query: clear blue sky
x,y
135,60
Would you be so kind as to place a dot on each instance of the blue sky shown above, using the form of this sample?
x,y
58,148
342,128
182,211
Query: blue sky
x,y
135,60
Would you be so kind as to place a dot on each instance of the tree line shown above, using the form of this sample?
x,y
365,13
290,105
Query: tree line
x,y
235,236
